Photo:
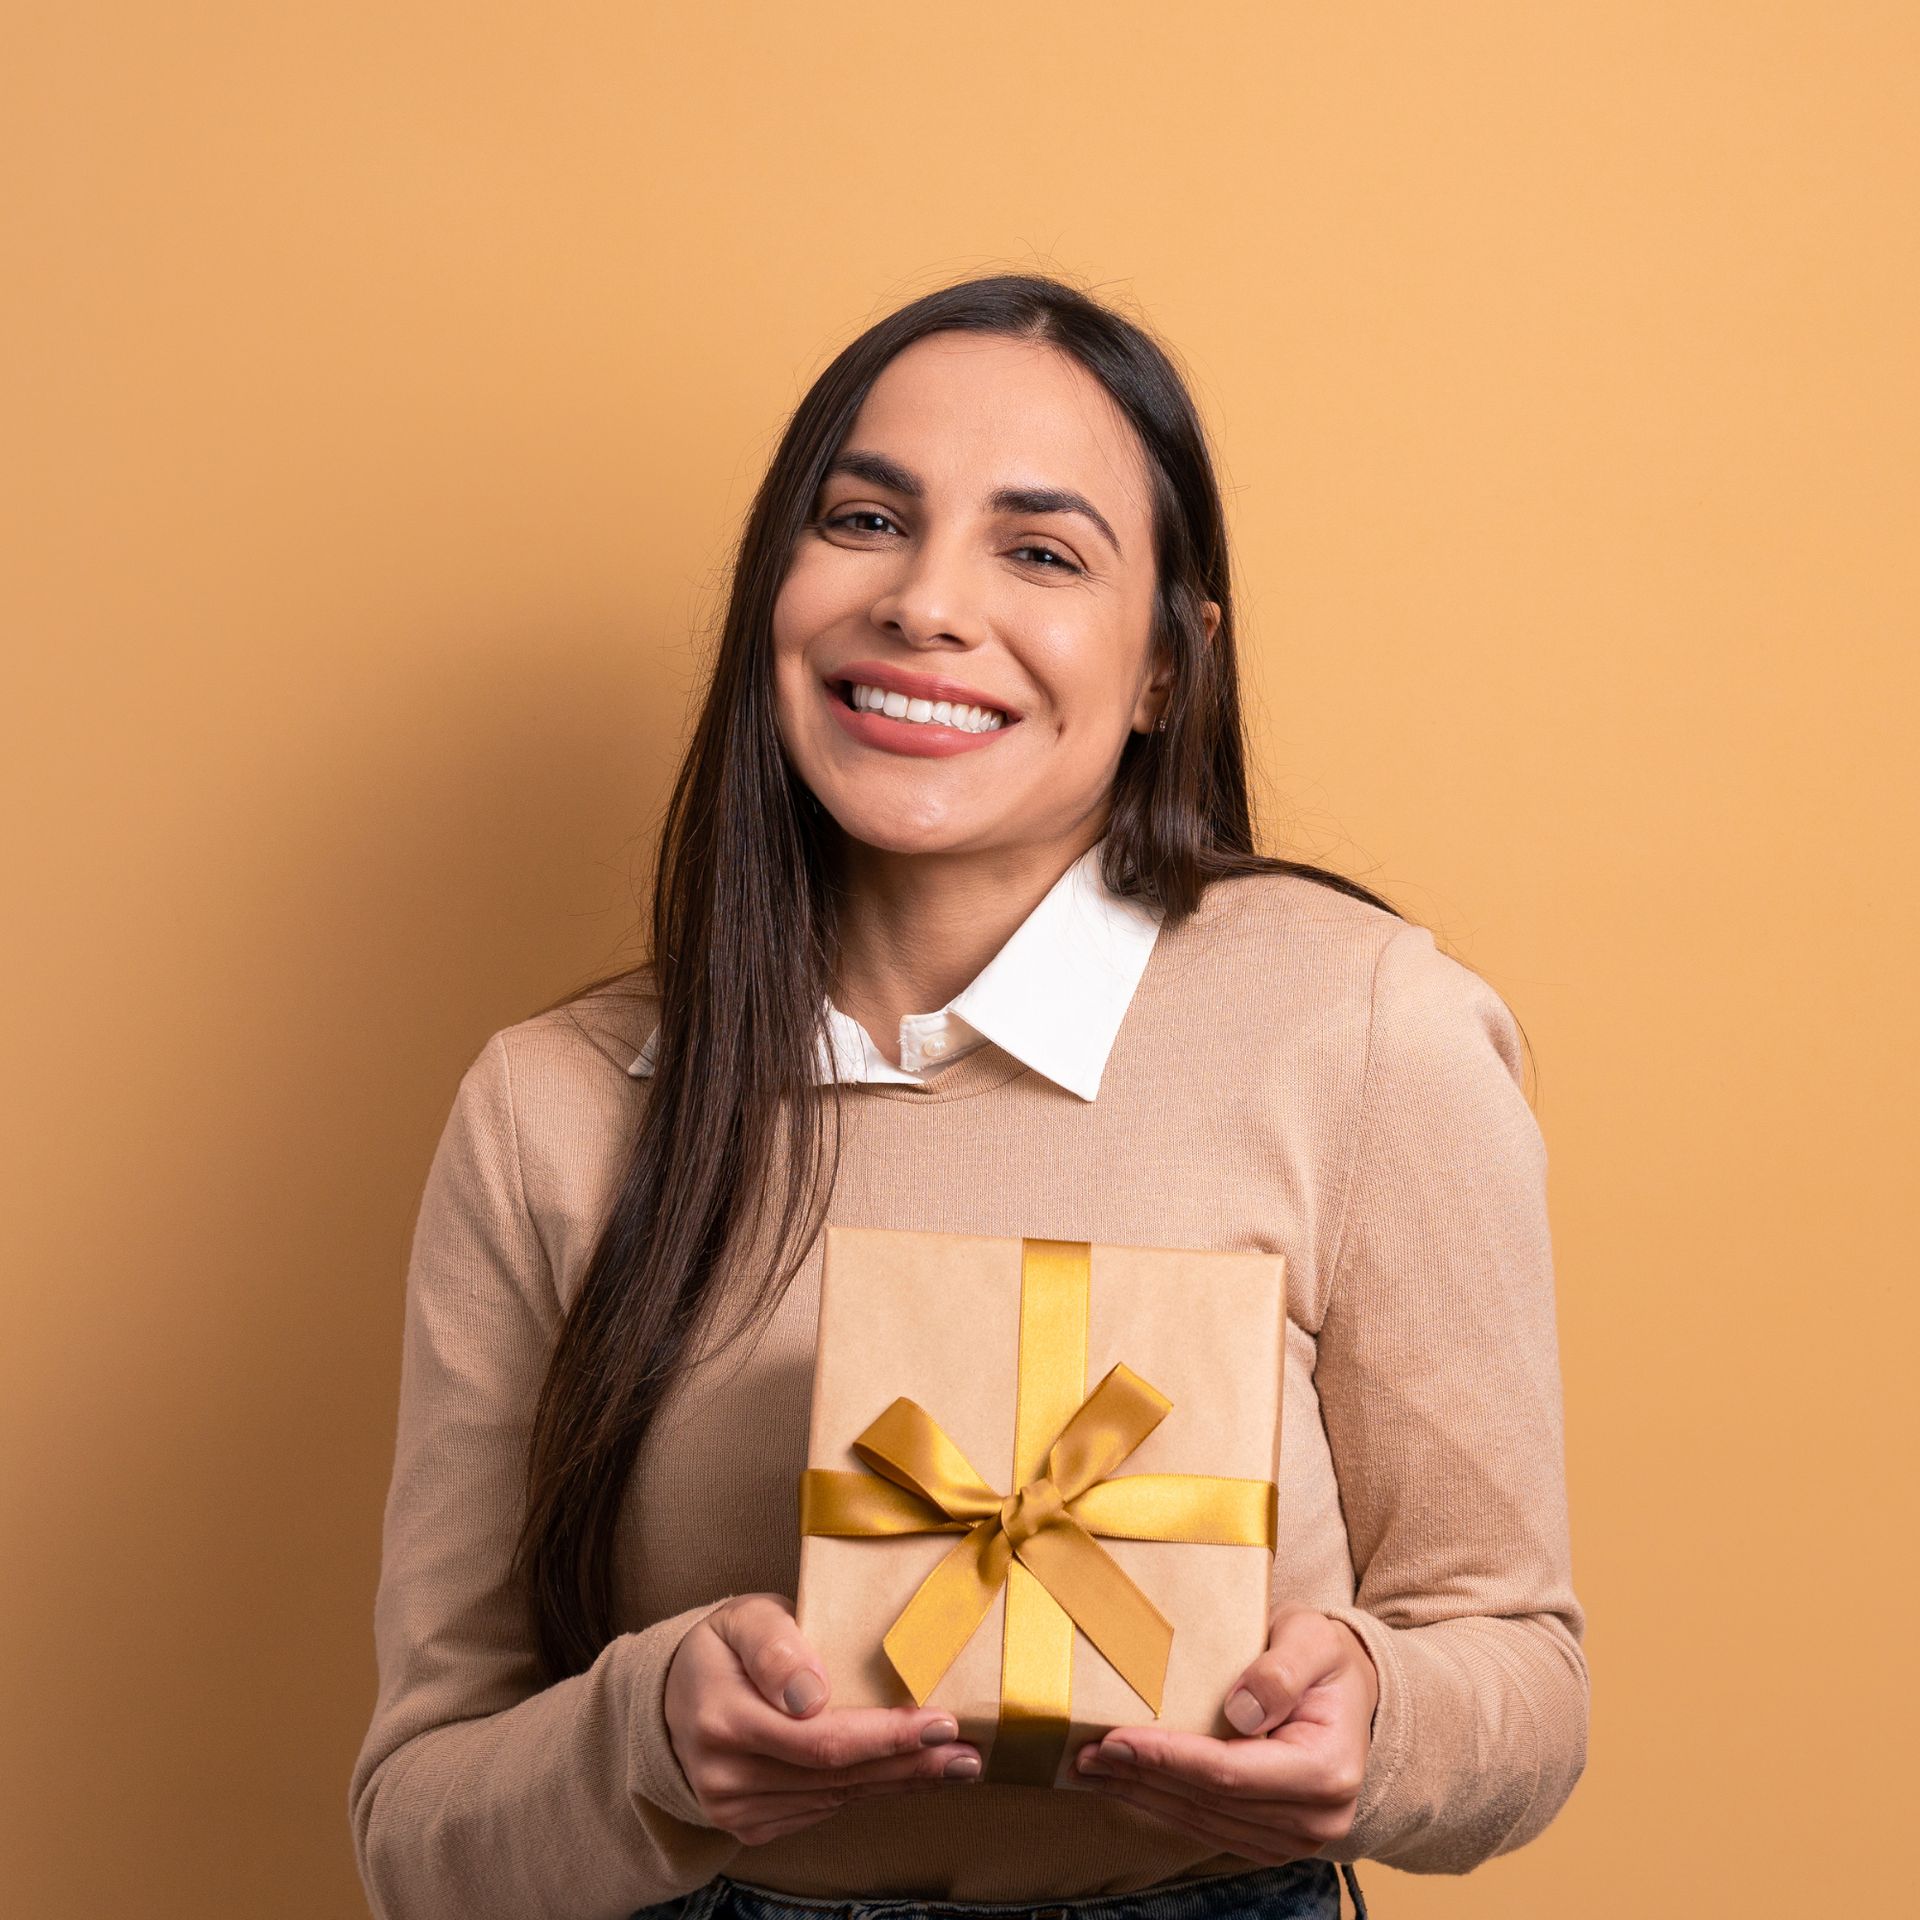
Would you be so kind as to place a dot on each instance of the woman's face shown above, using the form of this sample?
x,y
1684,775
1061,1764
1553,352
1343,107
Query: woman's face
x,y
986,536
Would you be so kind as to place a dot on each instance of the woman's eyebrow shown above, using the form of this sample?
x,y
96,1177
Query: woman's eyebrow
x,y
882,470
1052,500
877,469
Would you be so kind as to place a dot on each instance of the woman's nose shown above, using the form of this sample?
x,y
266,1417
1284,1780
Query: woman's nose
x,y
935,594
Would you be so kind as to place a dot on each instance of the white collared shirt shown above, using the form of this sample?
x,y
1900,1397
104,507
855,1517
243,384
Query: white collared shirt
x,y
1053,996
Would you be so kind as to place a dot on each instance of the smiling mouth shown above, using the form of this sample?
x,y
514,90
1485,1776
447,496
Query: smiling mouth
x,y
911,711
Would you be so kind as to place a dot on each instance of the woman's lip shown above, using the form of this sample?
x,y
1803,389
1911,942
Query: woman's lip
x,y
916,686
927,739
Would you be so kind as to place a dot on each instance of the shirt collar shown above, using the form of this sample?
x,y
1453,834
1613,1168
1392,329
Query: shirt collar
x,y
1053,996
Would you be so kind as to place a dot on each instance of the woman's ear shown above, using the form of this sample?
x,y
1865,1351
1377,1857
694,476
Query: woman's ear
x,y
1155,697
1212,612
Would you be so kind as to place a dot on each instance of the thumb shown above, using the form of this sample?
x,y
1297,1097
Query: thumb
x,y
766,1640
1273,1685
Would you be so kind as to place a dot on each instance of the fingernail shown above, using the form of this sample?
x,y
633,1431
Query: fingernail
x,y
936,1733
1116,1750
963,1766
1089,1757
802,1691
1245,1711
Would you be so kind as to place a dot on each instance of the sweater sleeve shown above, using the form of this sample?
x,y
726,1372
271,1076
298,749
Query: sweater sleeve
x,y
1438,1374
478,1794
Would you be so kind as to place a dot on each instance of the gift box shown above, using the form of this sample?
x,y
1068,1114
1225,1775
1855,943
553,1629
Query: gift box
x,y
1040,1488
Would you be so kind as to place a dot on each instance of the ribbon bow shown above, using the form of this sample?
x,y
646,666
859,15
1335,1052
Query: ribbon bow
x,y
930,1487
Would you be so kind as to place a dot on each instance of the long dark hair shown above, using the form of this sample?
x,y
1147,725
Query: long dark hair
x,y
744,930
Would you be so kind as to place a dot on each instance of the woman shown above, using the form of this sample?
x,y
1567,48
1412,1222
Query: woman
x,y
972,744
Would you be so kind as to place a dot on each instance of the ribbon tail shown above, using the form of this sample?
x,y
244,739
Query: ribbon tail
x,y
1133,1635
947,1608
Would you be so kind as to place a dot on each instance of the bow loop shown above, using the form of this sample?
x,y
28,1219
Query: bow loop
x,y
908,1446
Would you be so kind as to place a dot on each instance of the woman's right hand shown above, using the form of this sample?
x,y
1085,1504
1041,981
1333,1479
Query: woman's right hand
x,y
766,1756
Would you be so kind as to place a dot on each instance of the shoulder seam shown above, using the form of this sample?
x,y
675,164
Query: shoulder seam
x,y
1361,1111
519,1165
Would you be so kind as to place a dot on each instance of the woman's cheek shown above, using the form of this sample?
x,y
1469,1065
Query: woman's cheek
x,y
826,584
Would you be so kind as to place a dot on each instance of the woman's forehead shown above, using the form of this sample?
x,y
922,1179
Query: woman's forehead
x,y
982,411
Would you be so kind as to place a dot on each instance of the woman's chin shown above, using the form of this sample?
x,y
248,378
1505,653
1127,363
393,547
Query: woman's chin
x,y
872,822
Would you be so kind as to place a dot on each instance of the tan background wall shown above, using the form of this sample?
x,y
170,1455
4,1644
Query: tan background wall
x,y
381,388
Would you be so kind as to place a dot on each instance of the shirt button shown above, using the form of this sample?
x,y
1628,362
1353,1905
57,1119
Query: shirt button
x,y
935,1045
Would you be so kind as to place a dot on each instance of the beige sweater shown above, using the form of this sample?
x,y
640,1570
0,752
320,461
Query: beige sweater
x,y
1297,1071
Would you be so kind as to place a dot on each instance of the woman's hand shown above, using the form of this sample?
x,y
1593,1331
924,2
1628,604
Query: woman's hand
x,y
1291,1787
746,1711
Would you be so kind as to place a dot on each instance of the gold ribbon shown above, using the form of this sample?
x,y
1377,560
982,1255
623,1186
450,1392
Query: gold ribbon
x,y
1037,1541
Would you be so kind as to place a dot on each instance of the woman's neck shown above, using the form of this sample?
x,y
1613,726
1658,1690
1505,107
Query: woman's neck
x,y
914,928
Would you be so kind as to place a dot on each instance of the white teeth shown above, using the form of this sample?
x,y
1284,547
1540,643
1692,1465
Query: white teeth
x,y
945,713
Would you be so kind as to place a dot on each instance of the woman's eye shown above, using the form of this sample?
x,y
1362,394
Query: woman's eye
x,y
1047,559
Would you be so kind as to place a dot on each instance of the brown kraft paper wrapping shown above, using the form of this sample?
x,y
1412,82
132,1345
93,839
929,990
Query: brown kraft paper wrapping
x,y
935,1317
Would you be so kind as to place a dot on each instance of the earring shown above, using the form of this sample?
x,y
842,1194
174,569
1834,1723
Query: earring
x,y
1160,725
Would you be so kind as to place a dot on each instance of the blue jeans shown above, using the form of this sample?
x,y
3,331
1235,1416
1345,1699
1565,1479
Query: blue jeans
x,y
1301,1890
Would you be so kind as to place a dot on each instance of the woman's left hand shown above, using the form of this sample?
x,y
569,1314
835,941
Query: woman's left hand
x,y
1290,1787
